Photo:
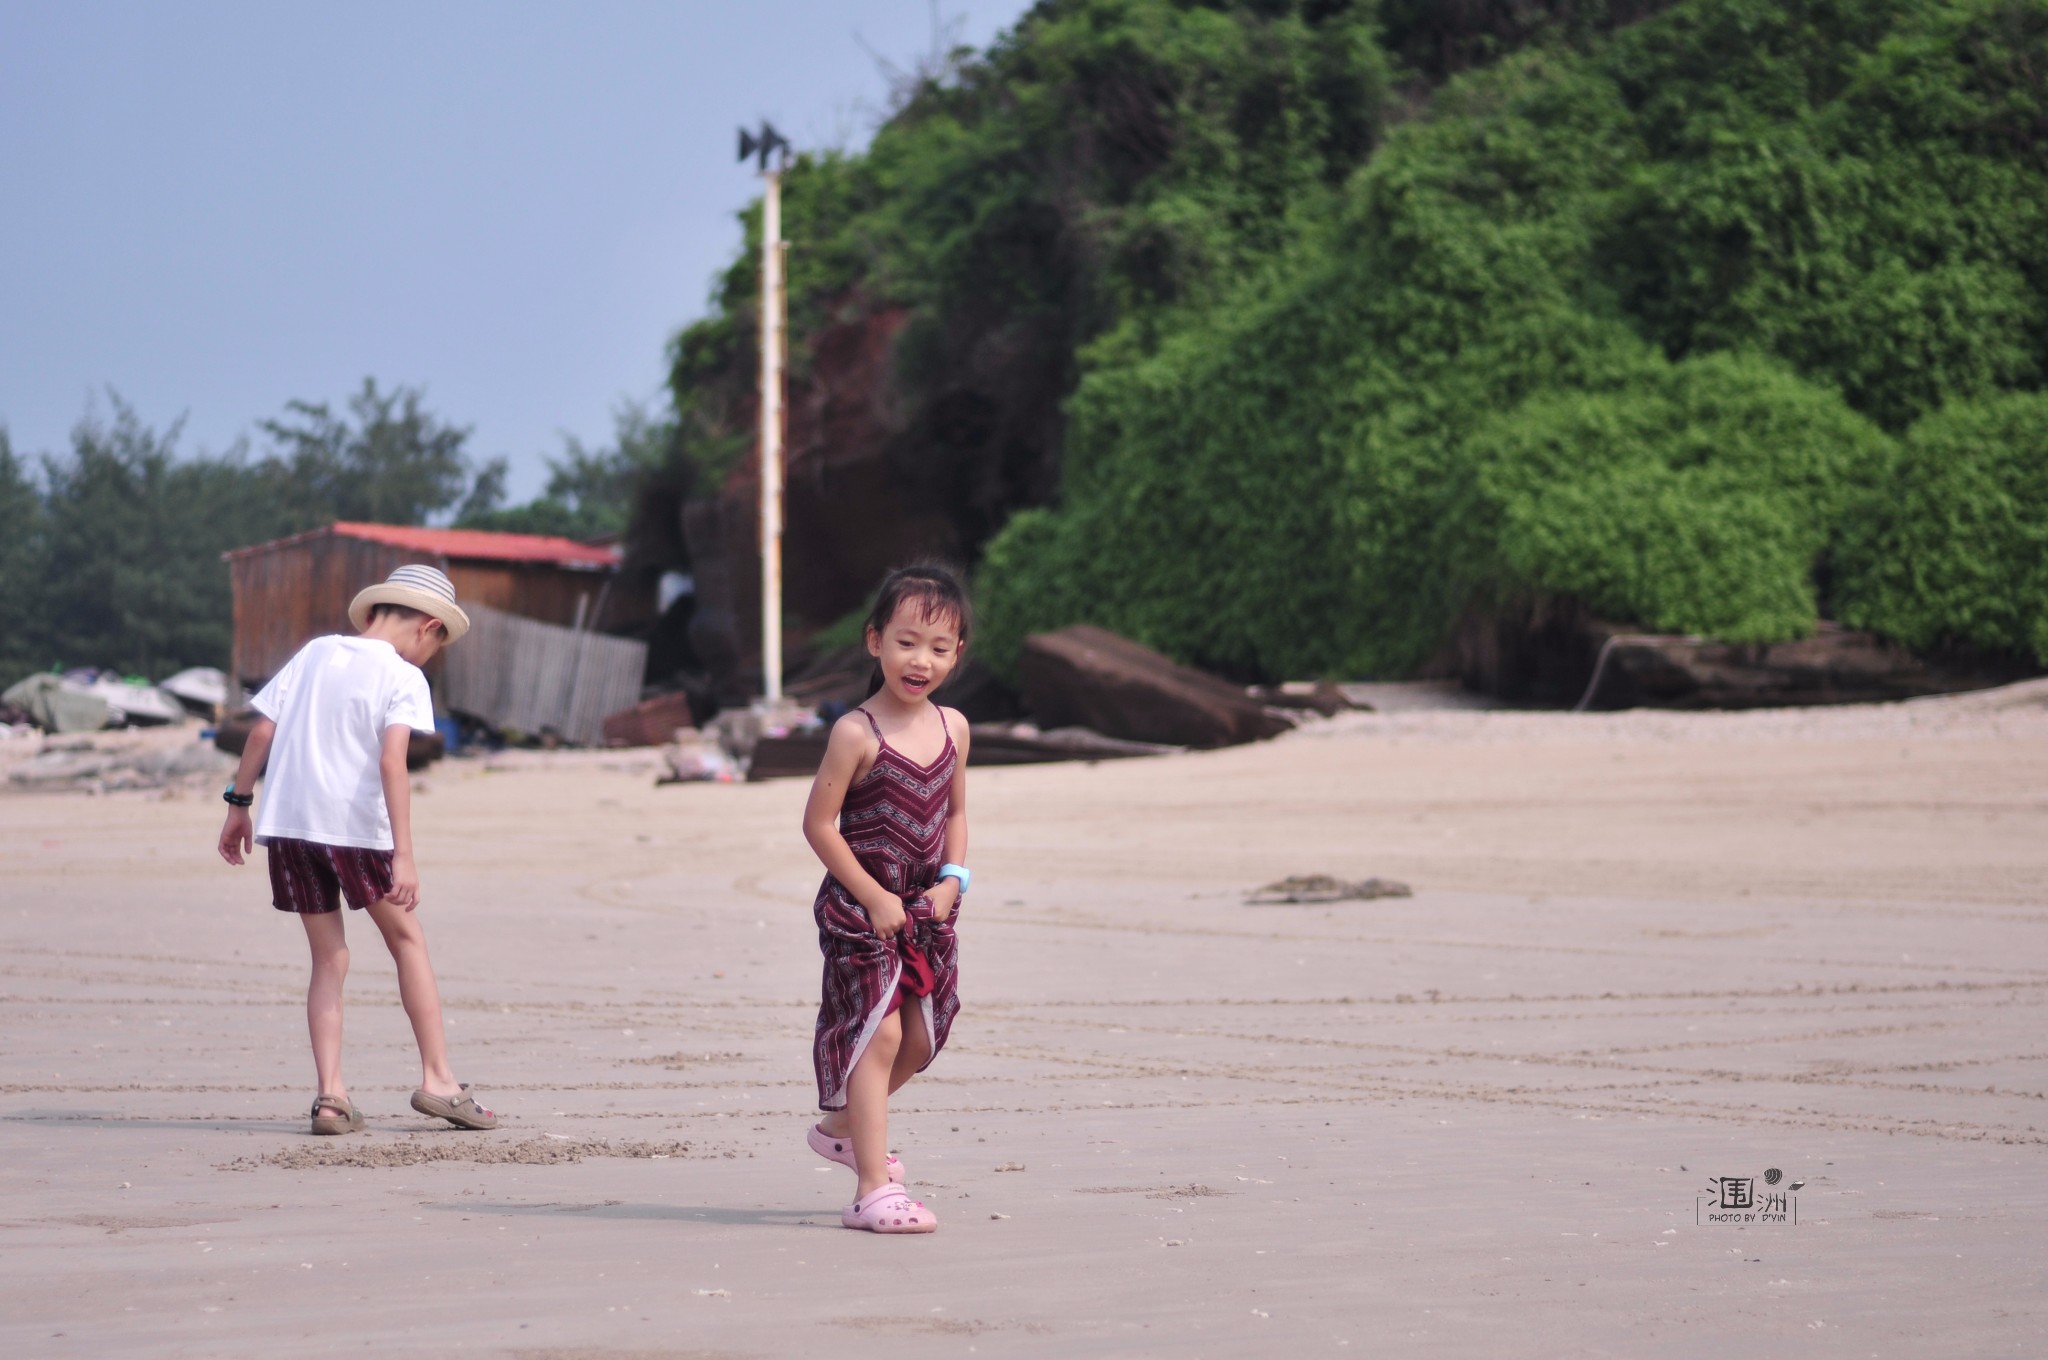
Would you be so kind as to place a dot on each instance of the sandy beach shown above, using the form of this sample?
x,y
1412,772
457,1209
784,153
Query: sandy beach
x,y
1645,952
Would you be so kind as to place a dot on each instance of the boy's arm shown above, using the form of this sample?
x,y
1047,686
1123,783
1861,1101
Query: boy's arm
x,y
405,874
946,893
843,752
237,832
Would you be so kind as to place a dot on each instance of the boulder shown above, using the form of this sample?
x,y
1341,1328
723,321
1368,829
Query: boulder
x,y
57,705
652,722
1085,676
1558,655
1835,666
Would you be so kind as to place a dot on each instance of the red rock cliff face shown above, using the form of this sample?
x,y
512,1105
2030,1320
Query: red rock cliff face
x,y
858,502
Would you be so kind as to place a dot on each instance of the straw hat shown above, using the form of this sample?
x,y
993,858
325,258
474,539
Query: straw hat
x,y
415,587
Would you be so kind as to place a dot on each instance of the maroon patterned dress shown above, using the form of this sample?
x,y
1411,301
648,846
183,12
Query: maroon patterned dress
x,y
894,819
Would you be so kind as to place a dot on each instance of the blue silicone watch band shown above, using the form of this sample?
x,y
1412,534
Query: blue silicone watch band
x,y
958,871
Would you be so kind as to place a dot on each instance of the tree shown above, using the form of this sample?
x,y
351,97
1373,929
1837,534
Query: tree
x,y
132,576
24,545
394,463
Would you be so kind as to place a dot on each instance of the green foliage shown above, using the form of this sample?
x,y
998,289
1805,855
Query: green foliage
x,y
133,578
1285,488
1110,164
1952,546
24,547
1612,324
1857,187
1697,499
114,560
394,464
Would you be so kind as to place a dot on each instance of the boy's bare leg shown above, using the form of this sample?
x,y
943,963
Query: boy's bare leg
x,y
329,945
419,992
867,1106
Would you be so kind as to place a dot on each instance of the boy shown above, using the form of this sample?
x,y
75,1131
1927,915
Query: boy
x,y
337,819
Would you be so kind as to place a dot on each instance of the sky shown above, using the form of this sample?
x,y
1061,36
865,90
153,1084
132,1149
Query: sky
x,y
214,208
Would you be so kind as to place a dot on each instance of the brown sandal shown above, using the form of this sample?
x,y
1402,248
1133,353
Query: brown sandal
x,y
463,1111
350,1120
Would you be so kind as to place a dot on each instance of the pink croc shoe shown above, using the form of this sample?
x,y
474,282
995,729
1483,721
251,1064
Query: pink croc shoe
x,y
889,1210
840,1150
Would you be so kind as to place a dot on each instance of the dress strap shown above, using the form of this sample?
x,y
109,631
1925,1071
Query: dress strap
x,y
873,725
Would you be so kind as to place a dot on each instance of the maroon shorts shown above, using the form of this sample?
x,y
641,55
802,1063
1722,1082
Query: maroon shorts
x,y
310,878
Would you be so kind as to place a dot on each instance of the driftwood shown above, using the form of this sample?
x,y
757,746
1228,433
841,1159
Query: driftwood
x,y
1089,677
1323,697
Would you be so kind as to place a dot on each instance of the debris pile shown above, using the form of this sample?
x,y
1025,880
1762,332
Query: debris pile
x,y
1310,889
90,700
113,761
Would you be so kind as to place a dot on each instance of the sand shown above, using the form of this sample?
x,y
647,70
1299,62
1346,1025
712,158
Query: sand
x,y
1645,952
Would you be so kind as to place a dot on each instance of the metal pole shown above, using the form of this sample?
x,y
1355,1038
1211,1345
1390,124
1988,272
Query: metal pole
x,y
771,436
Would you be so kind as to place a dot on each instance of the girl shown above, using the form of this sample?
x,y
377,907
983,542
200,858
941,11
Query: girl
x,y
888,816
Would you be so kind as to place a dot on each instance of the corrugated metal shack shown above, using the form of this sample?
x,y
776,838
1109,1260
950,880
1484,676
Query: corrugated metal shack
x,y
292,590
534,677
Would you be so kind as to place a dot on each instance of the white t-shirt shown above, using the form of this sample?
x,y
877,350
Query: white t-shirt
x,y
332,703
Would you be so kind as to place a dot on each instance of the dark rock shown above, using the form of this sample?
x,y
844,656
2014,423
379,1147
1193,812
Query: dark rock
x,y
652,722
839,676
842,676
979,693
857,502
1834,666
789,756
232,736
1089,677
1547,656
424,749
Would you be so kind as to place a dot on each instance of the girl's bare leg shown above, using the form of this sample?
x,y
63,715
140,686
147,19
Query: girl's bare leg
x,y
329,946
867,1106
419,993
914,1051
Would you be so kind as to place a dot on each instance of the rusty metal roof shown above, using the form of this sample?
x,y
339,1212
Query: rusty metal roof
x,y
462,545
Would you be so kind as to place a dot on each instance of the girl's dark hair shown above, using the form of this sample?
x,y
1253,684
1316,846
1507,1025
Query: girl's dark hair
x,y
935,590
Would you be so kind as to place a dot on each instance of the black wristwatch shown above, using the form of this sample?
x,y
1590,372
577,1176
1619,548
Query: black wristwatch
x,y
233,799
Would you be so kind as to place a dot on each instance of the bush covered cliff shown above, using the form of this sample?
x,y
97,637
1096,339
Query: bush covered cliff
x,y
1284,336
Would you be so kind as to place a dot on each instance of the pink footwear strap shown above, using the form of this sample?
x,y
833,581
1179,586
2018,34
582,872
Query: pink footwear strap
x,y
874,1197
821,1143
